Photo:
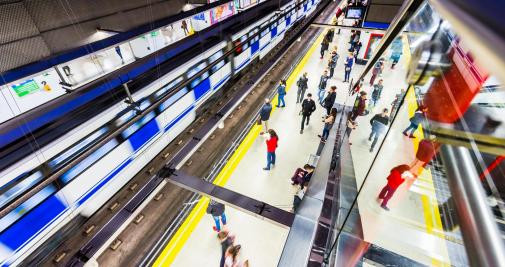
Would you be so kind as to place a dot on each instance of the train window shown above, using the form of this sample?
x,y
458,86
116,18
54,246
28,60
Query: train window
x,y
145,104
218,66
26,206
191,72
243,39
73,150
238,47
216,56
134,127
197,80
171,85
125,117
173,98
88,161
8,194
265,31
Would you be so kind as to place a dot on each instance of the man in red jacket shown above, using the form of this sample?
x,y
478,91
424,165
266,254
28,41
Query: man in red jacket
x,y
395,179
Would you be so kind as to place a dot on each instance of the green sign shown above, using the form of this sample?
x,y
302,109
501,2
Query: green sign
x,y
26,88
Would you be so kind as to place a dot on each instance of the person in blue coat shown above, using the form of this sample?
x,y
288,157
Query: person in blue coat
x,y
265,111
281,92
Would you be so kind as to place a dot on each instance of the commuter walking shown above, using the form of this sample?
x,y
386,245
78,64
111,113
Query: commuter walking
x,y
265,111
395,179
359,106
302,84
418,118
333,62
376,93
322,86
272,141
216,209
377,70
226,239
231,256
308,106
324,46
426,150
348,67
281,92
329,100
328,123
379,124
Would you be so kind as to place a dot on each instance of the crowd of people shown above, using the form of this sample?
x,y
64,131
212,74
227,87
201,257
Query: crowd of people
x,y
326,97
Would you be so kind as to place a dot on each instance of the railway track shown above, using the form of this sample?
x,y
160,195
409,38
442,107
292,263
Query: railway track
x,y
161,216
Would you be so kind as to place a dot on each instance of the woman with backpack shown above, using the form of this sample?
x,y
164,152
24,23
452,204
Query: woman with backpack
x,y
328,123
418,118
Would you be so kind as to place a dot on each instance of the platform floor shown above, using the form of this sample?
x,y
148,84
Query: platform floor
x,y
412,227
263,241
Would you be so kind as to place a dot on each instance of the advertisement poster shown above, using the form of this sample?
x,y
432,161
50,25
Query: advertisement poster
x,y
222,12
372,44
26,88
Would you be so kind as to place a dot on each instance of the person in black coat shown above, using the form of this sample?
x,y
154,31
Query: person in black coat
x,y
265,111
308,106
330,99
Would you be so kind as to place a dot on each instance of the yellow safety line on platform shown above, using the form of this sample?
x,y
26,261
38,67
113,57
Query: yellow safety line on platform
x,y
177,242
430,205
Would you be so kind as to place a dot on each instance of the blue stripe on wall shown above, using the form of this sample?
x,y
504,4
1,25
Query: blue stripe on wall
x,y
141,136
375,25
26,228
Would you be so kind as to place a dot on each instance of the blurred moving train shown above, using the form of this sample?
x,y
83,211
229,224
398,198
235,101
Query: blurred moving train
x,y
84,188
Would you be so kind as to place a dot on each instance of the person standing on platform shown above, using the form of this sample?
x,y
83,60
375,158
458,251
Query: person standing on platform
x,y
359,106
322,86
308,106
265,111
348,67
302,84
357,49
324,46
396,51
395,179
328,123
377,69
281,92
426,150
271,142
379,124
418,118
216,209
329,100
333,62
376,93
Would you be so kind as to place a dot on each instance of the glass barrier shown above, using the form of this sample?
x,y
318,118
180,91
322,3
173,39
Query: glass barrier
x,y
404,213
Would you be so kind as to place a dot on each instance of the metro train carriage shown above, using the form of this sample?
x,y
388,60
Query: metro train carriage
x,y
86,187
